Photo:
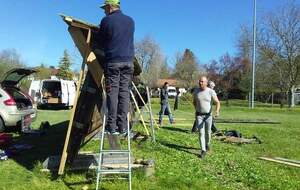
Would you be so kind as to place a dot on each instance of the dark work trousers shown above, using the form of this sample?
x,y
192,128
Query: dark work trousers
x,y
176,102
165,109
118,78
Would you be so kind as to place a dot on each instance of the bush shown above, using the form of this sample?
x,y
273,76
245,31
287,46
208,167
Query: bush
x,y
187,97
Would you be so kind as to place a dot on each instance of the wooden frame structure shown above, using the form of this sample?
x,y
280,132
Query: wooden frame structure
x,y
86,117
87,113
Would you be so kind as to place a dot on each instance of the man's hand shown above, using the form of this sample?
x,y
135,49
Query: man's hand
x,y
91,57
217,114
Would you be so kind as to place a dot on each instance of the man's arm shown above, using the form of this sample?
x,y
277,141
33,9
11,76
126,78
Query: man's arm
x,y
194,100
98,37
218,105
101,34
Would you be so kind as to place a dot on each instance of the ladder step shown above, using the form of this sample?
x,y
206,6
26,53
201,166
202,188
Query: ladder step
x,y
114,151
112,178
114,171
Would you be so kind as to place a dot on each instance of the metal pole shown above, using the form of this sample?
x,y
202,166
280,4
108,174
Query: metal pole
x,y
253,56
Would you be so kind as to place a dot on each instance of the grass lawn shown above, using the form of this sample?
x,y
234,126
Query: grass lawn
x,y
177,166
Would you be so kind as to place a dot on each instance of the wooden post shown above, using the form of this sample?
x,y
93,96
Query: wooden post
x,y
64,153
287,160
280,161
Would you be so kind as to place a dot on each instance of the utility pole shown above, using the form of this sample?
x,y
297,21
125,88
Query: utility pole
x,y
253,55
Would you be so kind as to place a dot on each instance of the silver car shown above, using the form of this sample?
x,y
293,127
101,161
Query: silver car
x,y
15,105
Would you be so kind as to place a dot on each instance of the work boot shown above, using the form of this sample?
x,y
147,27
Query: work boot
x,y
207,148
114,133
202,154
160,123
125,134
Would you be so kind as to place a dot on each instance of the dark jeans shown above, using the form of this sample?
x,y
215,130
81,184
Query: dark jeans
x,y
118,78
165,108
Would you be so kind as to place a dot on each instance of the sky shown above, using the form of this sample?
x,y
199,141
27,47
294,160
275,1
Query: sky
x,y
208,27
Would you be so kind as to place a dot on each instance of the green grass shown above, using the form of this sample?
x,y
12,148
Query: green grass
x,y
177,166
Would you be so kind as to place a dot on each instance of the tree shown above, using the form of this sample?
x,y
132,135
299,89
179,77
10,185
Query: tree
x,y
213,71
165,71
186,69
149,55
228,73
9,59
244,45
279,46
43,72
64,67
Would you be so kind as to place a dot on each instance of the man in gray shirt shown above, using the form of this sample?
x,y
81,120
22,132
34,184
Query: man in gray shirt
x,y
202,102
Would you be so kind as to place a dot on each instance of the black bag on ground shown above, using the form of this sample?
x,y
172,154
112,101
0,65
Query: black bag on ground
x,y
233,133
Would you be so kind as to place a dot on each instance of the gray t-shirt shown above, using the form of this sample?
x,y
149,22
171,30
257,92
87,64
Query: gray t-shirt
x,y
203,100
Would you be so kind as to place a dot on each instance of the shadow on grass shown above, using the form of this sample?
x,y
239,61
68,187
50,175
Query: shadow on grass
x,y
54,107
176,129
49,144
190,150
90,178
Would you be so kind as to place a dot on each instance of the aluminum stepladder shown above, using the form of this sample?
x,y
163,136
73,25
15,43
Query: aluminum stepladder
x,y
148,110
101,170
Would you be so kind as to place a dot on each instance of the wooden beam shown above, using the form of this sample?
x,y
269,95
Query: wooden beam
x,y
287,160
80,41
96,71
280,162
64,153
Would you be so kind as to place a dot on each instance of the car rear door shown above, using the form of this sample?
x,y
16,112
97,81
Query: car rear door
x,y
14,76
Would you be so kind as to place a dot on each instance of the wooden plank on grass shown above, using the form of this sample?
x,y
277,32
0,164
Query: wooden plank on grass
x,y
249,121
254,121
287,160
280,162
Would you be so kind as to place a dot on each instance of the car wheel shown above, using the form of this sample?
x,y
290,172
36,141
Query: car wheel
x,y
2,127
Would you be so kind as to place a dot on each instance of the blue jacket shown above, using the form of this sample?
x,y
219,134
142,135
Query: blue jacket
x,y
115,37
164,96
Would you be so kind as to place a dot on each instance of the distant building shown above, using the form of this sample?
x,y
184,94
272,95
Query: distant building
x,y
172,82
54,71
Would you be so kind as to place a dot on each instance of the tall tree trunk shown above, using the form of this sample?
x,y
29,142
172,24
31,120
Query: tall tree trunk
x,y
227,99
281,99
291,101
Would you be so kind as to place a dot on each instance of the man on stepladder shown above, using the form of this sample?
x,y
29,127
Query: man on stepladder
x,y
116,39
202,102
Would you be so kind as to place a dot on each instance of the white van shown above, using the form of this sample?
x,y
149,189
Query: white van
x,y
53,92
172,91
182,91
